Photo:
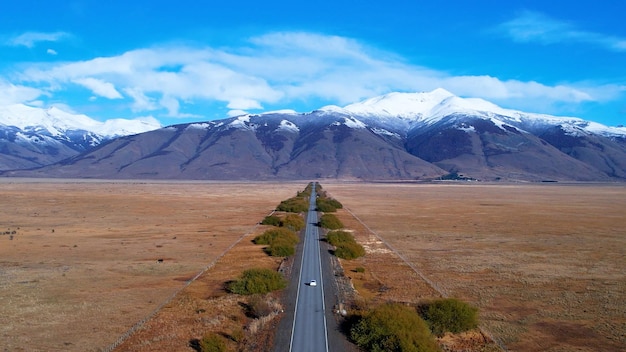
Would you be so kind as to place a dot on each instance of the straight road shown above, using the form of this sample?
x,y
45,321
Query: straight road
x,y
309,332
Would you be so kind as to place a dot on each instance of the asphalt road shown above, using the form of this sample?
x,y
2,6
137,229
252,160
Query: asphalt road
x,y
309,332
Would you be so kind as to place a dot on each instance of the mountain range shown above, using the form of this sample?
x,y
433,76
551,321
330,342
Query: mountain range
x,y
32,137
398,136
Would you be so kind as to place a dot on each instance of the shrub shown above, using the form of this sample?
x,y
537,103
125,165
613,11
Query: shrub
x,y
275,234
257,281
293,222
392,327
271,220
294,205
319,191
336,238
279,249
212,342
327,205
359,269
449,315
282,241
346,246
259,306
330,221
350,251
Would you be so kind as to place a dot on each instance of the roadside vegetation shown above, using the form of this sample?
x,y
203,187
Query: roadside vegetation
x,y
212,342
254,281
327,205
346,247
293,222
449,315
308,189
330,221
258,285
281,240
324,203
294,205
272,220
392,327
278,234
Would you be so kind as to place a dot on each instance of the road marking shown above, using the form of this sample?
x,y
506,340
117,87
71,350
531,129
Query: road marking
x,y
295,311
309,233
322,288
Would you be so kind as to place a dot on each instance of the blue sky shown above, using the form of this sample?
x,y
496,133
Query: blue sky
x,y
181,61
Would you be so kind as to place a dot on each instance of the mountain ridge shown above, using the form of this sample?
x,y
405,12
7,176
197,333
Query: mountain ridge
x,y
399,136
32,137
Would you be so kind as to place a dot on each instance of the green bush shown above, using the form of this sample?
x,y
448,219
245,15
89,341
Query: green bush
x,y
449,315
330,221
212,342
275,234
359,269
336,238
350,251
281,249
319,191
293,222
392,327
271,220
257,281
327,205
282,241
346,246
294,205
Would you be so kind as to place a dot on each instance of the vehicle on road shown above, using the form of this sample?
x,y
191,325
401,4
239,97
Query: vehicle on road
x,y
312,283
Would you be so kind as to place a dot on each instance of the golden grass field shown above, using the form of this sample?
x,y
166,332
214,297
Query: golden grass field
x,y
82,267
545,263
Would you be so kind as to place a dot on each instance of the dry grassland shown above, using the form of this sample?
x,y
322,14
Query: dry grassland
x,y
82,266
546,264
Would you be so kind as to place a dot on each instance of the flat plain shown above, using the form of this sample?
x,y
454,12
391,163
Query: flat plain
x,y
545,263
79,261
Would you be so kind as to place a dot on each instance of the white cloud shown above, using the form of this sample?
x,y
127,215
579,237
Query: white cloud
x,y
30,39
141,102
233,113
52,52
280,67
99,87
240,103
536,27
14,94
171,104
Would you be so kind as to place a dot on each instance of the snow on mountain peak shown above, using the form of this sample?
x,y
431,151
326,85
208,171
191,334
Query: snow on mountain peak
x,y
406,105
403,110
57,121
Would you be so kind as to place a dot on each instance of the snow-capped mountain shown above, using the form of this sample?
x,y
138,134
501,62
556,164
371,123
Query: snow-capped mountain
x,y
396,136
56,121
406,110
32,137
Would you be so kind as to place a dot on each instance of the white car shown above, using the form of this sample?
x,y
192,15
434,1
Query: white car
x,y
312,283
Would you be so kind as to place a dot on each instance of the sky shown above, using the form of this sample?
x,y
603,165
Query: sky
x,y
191,60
